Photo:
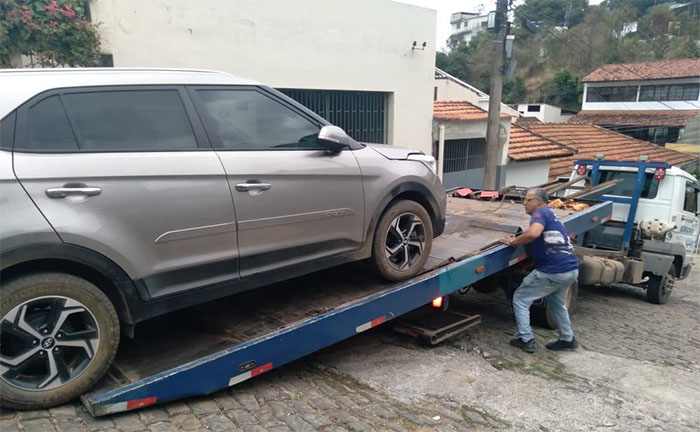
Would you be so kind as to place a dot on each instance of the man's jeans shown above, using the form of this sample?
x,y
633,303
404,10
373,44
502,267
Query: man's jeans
x,y
552,286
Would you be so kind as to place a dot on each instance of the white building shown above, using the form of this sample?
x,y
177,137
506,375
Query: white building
x,y
464,26
657,102
344,59
545,112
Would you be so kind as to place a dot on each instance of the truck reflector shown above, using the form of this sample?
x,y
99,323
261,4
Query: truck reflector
x,y
249,374
368,325
437,303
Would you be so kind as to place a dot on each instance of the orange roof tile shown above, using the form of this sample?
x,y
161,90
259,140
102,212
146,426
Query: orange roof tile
x,y
590,140
665,69
460,110
526,145
673,118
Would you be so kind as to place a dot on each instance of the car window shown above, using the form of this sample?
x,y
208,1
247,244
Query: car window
x,y
249,120
690,203
48,128
626,186
139,120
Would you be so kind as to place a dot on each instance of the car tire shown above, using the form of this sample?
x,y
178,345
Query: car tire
x,y
402,241
58,336
659,288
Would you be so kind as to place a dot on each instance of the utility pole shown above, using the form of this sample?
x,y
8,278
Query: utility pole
x,y
493,148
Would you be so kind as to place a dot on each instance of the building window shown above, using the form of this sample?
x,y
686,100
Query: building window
x,y
363,115
464,154
533,108
654,134
612,94
672,92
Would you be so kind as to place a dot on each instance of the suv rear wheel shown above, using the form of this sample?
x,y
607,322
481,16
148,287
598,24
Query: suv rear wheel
x,y
402,241
58,335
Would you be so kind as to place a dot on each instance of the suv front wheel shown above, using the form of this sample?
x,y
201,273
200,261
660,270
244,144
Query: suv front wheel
x,y
58,335
402,241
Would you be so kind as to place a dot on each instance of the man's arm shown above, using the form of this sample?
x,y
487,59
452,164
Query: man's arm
x,y
535,230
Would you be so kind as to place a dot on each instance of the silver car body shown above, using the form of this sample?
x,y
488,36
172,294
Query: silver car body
x,y
174,228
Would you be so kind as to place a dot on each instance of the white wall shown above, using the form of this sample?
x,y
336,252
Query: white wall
x,y
527,173
449,90
547,113
666,105
309,44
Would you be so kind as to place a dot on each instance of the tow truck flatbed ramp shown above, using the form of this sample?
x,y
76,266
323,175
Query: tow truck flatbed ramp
x,y
219,344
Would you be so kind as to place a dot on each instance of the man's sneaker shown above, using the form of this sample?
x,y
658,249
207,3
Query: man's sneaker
x,y
561,345
528,347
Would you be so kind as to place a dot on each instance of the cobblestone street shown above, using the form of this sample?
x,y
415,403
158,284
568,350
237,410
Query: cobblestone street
x,y
638,369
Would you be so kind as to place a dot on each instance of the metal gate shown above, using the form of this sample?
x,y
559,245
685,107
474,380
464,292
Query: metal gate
x,y
361,114
464,164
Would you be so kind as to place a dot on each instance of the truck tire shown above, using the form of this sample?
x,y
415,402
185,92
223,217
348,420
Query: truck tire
x,y
659,287
402,241
542,315
58,335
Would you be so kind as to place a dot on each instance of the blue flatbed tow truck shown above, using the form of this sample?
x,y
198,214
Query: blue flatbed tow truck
x,y
213,346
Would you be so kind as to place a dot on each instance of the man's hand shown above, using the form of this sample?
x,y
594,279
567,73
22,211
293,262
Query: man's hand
x,y
507,240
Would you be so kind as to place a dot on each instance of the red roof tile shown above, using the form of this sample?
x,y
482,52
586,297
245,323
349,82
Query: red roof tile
x,y
526,145
676,118
590,140
665,69
460,110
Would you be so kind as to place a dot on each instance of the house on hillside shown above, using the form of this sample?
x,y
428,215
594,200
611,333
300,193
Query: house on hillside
x,y
464,26
658,102
344,59
545,112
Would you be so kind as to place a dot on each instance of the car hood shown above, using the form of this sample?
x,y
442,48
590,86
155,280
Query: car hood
x,y
392,152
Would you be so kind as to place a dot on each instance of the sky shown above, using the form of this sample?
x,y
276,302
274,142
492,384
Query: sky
x,y
445,8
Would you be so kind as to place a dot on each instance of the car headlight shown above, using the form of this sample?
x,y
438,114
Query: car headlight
x,y
428,161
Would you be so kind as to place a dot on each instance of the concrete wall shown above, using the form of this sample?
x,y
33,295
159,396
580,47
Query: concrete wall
x,y
691,132
307,44
527,173
666,105
547,113
452,90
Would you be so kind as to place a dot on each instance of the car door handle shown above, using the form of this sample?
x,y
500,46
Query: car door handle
x,y
62,192
244,187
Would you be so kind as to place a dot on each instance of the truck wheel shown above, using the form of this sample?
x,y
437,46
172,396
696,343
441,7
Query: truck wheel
x,y
58,335
659,287
542,315
402,241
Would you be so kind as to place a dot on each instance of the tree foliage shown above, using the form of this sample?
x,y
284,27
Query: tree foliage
x,y
50,32
552,60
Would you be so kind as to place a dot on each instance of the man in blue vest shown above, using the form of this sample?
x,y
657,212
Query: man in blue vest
x,y
556,268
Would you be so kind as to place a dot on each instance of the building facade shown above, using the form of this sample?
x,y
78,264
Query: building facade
x,y
657,102
545,113
343,59
464,26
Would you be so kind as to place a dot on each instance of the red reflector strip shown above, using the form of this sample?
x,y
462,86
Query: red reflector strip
x,y
140,403
368,325
518,259
594,219
262,369
250,374
480,269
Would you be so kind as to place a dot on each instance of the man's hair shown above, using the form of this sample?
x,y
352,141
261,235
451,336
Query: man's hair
x,y
541,194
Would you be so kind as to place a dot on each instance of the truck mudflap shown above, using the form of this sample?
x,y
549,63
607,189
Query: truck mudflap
x,y
203,351
656,263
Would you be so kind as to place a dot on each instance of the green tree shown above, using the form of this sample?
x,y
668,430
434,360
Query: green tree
x,y
551,12
51,33
640,6
566,91
514,90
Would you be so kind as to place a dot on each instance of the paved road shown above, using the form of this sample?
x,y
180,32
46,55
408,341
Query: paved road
x,y
638,369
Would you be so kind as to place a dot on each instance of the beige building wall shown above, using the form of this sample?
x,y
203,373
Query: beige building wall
x,y
307,44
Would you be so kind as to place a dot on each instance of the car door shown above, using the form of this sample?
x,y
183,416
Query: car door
x,y
295,201
688,222
128,172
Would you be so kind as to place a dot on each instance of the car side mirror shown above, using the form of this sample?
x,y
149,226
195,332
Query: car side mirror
x,y
333,138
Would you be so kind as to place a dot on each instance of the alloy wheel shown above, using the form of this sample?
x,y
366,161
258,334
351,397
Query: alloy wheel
x,y
47,342
405,240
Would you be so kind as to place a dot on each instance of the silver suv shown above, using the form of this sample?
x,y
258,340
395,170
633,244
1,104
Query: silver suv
x,y
130,193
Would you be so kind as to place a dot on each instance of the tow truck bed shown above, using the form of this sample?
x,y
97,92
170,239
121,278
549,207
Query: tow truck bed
x,y
209,347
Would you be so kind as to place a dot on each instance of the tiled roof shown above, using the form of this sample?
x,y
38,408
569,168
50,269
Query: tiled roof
x,y
665,69
526,145
522,120
677,118
461,110
590,140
